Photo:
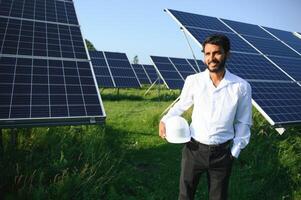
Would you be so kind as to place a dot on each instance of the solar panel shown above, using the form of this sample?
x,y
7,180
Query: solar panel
x,y
168,72
280,101
271,67
272,47
115,70
263,40
102,71
248,29
254,67
290,65
173,71
45,75
237,45
287,37
183,67
141,74
151,72
199,21
198,65
122,71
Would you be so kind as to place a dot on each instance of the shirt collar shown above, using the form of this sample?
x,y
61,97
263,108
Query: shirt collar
x,y
227,79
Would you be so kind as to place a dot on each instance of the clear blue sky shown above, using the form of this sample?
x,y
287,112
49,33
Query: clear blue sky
x,y
141,27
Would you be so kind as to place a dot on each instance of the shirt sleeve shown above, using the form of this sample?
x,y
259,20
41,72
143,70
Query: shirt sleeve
x,y
243,121
184,103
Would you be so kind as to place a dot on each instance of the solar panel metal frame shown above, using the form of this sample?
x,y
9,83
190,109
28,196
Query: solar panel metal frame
x,y
49,120
260,53
297,34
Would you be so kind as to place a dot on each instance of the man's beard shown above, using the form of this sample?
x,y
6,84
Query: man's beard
x,y
220,66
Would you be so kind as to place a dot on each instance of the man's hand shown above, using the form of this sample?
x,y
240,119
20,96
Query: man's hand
x,y
162,130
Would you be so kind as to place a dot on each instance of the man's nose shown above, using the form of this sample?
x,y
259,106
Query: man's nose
x,y
211,57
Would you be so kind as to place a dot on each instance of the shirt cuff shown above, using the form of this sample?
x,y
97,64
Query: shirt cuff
x,y
235,150
164,118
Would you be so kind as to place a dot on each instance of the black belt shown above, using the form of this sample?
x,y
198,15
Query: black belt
x,y
224,145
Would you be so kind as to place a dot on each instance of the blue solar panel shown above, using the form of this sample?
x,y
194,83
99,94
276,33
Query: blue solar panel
x,y
45,74
151,72
292,66
141,74
199,21
254,67
198,65
280,101
168,72
237,44
101,69
248,29
113,69
51,10
175,70
30,38
287,37
122,71
271,47
183,66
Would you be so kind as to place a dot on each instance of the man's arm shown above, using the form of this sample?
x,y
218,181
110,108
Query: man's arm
x,y
243,121
185,102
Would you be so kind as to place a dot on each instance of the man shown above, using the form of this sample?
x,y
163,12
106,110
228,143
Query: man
x,y
221,120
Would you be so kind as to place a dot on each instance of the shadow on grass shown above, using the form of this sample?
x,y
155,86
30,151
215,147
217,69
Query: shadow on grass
x,y
67,162
153,173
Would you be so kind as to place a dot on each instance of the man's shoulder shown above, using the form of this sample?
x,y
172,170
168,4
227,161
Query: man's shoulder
x,y
196,76
239,80
243,85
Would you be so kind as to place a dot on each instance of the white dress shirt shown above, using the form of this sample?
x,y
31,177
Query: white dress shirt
x,y
220,113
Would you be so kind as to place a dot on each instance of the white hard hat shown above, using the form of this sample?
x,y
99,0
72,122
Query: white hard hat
x,y
177,130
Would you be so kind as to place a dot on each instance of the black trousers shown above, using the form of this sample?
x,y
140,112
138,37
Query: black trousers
x,y
198,158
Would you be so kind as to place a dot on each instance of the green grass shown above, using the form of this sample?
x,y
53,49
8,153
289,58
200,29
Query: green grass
x,y
125,158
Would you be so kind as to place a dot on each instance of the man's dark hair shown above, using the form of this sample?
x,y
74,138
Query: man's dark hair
x,y
218,39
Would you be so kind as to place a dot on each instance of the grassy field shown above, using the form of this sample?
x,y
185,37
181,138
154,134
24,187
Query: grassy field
x,y
125,158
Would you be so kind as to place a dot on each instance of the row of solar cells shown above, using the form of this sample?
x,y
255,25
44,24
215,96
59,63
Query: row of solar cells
x,y
113,70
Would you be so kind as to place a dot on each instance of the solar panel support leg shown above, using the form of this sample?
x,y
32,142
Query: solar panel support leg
x,y
194,58
280,130
150,87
